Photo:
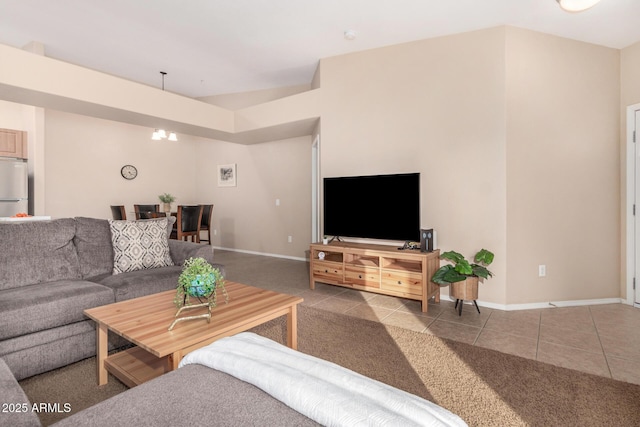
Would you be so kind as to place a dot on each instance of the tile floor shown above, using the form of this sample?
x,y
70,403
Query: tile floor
x,y
599,339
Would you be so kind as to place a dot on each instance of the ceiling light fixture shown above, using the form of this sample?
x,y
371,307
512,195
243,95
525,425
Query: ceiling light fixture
x,y
350,35
576,5
159,134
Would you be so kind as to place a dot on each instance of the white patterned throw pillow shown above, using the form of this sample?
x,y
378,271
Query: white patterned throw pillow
x,y
139,244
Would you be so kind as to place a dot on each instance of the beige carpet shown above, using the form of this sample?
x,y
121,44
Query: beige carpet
x,y
484,387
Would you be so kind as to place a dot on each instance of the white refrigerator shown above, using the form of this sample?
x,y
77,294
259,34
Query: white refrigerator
x,y
14,186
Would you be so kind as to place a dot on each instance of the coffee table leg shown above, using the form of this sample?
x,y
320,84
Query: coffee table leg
x,y
173,360
292,327
101,353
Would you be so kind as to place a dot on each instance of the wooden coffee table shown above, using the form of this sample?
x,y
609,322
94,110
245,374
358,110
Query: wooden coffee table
x,y
145,321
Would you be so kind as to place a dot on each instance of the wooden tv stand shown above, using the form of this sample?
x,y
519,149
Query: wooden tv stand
x,y
376,268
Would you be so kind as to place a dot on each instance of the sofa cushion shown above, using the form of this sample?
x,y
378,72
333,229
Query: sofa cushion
x,y
170,400
42,338
170,221
18,411
139,283
139,245
42,306
93,242
33,354
95,249
37,251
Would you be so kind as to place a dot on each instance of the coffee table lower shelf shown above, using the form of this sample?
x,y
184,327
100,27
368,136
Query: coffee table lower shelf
x,y
135,366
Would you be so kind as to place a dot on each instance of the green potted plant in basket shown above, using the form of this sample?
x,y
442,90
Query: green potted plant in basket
x,y
202,281
166,200
462,275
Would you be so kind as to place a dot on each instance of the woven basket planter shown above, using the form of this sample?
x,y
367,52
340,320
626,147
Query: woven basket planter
x,y
465,290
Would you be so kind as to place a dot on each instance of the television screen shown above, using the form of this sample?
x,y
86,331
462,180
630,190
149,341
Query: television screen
x,y
374,207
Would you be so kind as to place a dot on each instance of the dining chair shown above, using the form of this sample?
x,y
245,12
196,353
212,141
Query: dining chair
x,y
188,219
146,211
156,214
205,224
118,212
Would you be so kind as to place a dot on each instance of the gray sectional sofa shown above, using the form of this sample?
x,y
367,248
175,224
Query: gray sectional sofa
x,y
53,270
50,271
194,395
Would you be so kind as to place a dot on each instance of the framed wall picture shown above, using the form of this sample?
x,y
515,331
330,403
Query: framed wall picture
x,y
227,175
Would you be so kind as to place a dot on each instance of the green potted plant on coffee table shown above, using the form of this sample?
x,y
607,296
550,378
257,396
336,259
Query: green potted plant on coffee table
x,y
463,276
202,281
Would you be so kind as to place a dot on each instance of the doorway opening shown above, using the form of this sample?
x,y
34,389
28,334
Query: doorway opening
x,y
633,207
315,190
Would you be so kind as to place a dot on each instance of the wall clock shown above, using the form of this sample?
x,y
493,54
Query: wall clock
x,y
129,172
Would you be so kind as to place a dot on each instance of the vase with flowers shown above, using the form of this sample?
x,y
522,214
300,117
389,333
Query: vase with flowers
x,y
166,200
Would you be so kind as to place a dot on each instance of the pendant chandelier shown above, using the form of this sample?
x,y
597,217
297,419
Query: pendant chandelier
x,y
159,134
576,5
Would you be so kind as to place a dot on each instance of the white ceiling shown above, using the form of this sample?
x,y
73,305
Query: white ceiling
x,y
211,47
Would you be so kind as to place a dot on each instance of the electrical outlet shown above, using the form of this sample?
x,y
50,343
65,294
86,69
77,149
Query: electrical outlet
x,y
290,239
542,270
277,202
215,232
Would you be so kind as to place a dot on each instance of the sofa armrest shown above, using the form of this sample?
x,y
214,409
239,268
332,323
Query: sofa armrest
x,y
181,251
18,408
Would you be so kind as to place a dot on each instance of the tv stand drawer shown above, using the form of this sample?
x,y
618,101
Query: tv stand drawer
x,y
328,270
364,276
402,282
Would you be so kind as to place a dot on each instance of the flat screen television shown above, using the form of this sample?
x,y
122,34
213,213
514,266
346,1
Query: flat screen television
x,y
385,207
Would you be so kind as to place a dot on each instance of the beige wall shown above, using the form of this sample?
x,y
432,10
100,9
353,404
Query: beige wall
x,y
515,136
630,72
83,160
237,101
56,84
84,156
436,107
246,216
14,116
563,200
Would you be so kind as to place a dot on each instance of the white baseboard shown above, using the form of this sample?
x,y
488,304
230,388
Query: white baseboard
x,y
260,253
549,304
504,307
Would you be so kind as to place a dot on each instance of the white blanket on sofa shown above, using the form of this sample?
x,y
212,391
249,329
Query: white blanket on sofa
x,y
323,391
